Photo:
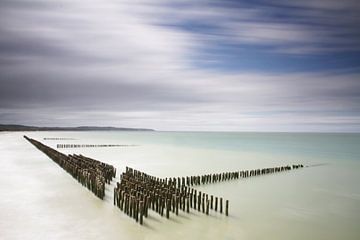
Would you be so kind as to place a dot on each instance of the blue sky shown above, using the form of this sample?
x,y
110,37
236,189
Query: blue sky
x,y
270,65
276,36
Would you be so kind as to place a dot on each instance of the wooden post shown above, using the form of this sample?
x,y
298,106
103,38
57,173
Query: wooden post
x,y
221,205
216,203
114,195
141,212
168,208
162,206
136,210
195,196
187,205
191,198
227,208
199,201
207,207
203,205
177,205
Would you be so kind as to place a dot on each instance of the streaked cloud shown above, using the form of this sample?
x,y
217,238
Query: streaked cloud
x,y
148,64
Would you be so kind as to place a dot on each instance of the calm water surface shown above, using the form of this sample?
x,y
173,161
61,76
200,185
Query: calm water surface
x,y
39,200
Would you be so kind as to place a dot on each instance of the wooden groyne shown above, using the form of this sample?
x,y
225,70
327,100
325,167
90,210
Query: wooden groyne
x,y
138,192
91,145
58,138
91,173
226,176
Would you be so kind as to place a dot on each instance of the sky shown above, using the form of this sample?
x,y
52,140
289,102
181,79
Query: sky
x,y
182,65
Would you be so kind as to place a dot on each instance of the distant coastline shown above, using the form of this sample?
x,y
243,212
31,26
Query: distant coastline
x,y
14,128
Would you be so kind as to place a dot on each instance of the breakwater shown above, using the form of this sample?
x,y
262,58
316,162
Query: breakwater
x,y
137,193
226,176
91,173
91,145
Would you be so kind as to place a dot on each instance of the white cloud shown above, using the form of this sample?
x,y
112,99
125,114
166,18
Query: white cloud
x,y
125,64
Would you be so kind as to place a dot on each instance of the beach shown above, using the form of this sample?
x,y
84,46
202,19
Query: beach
x,y
40,200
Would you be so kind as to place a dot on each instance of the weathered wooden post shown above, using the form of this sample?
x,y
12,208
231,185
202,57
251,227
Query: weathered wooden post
x,y
203,205
207,207
227,208
141,212
199,201
136,210
216,203
177,205
187,205
114,195
195,196
221,205
167,208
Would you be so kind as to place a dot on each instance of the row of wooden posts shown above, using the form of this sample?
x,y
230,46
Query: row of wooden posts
x,y
91,173
58,138
91,145
226,176
138,192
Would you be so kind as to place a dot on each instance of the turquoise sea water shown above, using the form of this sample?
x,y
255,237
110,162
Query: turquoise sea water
x,y
330,146
318,202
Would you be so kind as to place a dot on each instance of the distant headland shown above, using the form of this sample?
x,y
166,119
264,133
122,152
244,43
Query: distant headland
x,y
12,127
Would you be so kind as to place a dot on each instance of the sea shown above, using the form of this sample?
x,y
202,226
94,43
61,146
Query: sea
x,y
39,200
